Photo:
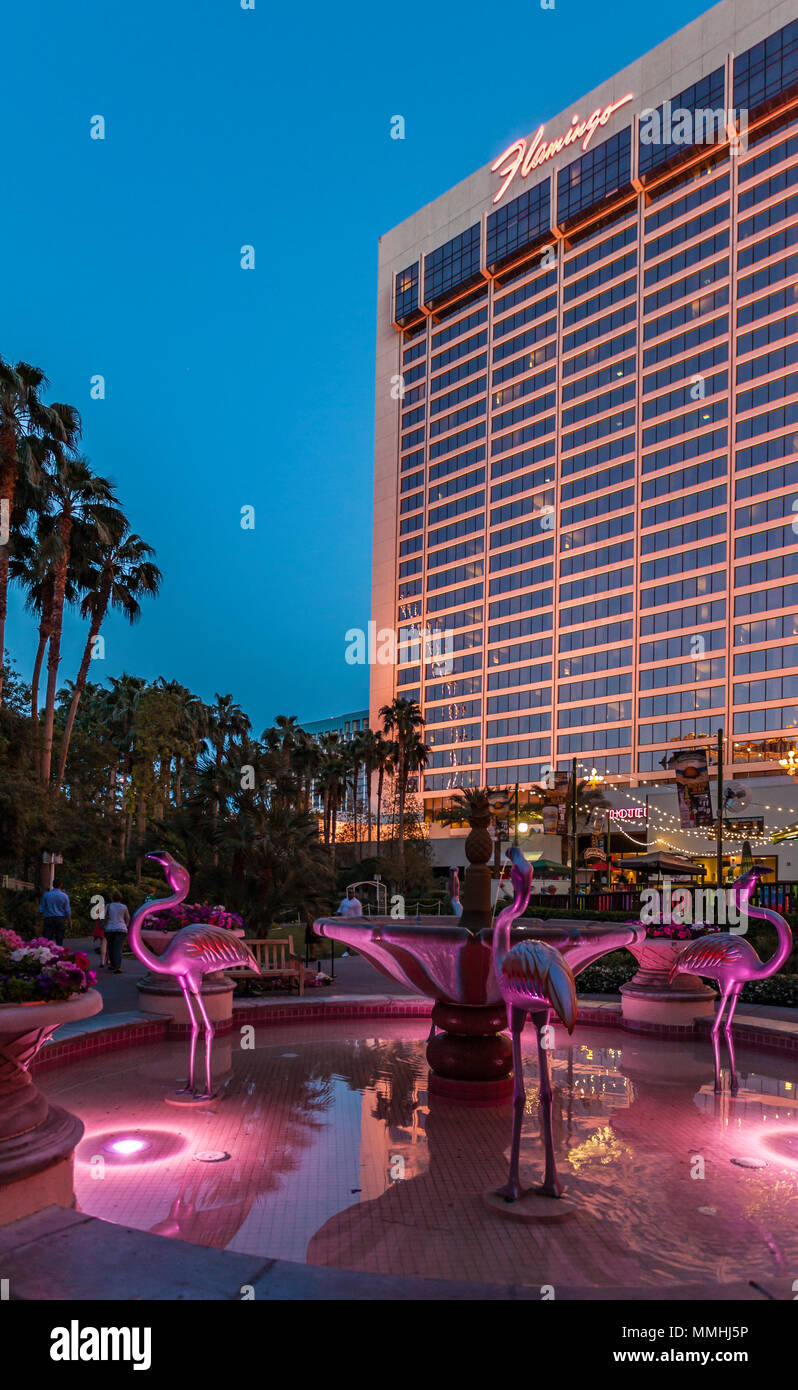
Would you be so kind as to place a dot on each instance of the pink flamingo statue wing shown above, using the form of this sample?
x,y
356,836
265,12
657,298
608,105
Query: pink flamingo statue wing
x,y
534,979
731,960
194,952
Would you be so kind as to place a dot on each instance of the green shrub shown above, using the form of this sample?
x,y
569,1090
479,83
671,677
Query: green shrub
x,y
780,990
608,974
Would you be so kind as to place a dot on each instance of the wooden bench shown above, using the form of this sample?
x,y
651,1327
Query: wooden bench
x,y
277,961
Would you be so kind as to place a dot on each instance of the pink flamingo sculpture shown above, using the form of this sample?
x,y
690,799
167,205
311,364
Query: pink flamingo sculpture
x,y
454,892
731,961
533,979
194,952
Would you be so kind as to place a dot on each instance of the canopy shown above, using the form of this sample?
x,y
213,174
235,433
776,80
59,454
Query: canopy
x,y
542,866
659,862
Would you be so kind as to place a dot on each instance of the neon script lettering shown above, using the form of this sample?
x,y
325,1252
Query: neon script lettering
x,y
522,158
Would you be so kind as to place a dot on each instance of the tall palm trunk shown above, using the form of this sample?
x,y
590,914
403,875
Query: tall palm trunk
x,y
54,654
380,782
369,775
217,806
80,683
402,776
45,629
9,470
327,808
333,826
355,816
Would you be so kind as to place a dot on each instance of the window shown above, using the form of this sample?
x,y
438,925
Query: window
x,y
600,174
659,145
758,720
519,699
608,712
406,294
456,330
452,265
681,702
765,71
686,673
591,690
518,224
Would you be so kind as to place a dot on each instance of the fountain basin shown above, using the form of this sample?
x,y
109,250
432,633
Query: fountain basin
x,y
470,1058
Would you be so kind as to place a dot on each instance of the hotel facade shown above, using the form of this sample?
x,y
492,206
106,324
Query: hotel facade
x,y
586,470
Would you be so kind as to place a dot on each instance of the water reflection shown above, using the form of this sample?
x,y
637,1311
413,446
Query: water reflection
x,y
339,1156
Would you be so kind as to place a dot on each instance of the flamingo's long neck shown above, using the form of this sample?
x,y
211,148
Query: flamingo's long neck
x,y
145,955
784,947
505,918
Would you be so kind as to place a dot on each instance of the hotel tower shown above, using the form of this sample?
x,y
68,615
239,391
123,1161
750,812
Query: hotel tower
x,y
587,427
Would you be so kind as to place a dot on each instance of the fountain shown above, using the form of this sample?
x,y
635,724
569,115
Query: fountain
x,y
450,960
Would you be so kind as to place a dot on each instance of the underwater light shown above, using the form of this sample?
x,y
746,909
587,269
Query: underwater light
x,y
125,1147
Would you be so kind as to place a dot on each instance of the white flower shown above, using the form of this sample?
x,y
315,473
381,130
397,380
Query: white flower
x,y
37,953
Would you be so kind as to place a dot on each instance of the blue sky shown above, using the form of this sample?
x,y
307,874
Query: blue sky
x,y
228,388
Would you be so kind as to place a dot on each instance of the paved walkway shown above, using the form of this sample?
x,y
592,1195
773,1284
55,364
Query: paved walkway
x,y
353,975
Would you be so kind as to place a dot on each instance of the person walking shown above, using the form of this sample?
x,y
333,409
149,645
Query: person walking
x,y
117,921
101,944
350,906
56,913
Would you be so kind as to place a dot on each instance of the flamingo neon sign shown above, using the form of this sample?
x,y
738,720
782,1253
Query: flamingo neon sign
x,y
522,157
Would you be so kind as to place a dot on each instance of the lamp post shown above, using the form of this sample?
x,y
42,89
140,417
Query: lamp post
x,y
515,830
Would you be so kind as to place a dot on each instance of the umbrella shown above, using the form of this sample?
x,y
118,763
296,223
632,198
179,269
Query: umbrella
x,y
658,862
542,866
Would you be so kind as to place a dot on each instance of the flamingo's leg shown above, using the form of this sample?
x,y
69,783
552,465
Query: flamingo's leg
x,y
551,1184
208,1043
511,1190
189,1089
735,995
716,1033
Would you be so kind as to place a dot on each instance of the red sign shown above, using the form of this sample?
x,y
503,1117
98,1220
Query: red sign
x,y
522,158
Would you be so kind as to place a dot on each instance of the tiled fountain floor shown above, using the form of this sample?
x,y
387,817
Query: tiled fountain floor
x,y
337,1158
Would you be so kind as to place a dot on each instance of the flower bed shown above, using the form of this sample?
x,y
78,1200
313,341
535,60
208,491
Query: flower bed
x,y
38,971
186,914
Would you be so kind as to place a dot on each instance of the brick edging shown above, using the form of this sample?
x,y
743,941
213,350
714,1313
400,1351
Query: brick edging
x,y
160,1028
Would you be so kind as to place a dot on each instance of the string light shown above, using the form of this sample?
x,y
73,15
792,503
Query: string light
x,y
762,838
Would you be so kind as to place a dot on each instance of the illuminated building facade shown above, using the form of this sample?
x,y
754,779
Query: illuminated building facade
x,y
586,464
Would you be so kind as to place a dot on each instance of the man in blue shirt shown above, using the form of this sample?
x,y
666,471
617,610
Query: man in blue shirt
x,y
56,911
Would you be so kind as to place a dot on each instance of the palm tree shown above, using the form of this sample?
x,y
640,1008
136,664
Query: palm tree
x,y
385,753
30,432
81,504
369,752
30,568
226,721
416,754
358,746
190,729
120,571
122,703
332,783
403,717
306,760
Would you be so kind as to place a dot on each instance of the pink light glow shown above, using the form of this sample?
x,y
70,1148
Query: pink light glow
x,y
128,1146
780,1145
